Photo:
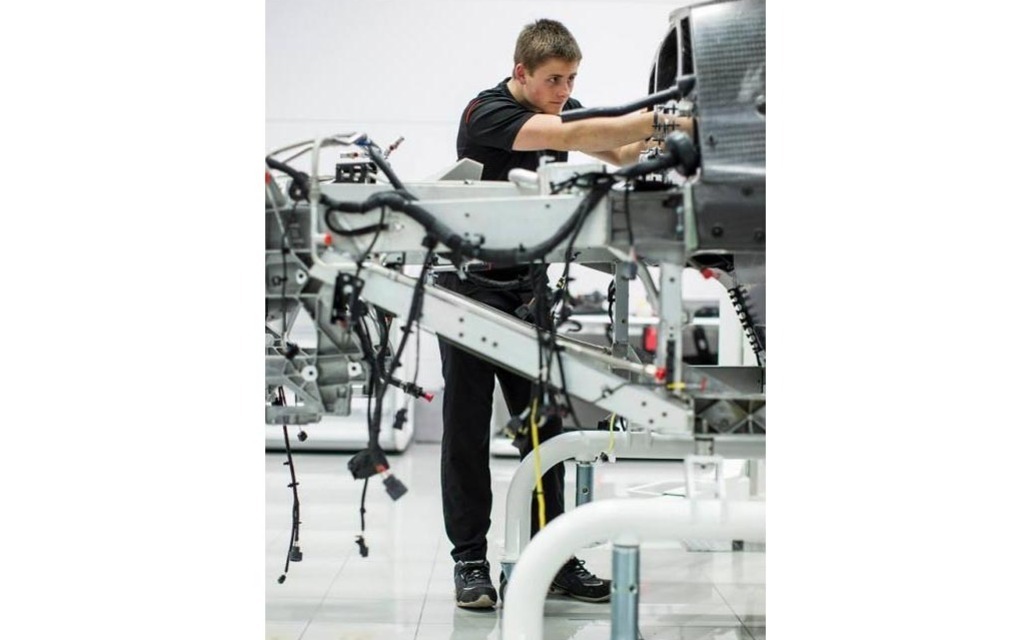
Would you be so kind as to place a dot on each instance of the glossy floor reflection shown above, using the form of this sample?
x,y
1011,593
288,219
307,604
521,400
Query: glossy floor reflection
x,y
403,589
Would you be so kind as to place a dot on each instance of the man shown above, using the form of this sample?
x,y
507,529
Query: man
x,y
507,127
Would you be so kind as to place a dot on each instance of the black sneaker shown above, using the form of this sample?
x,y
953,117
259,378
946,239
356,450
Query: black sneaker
x,y
575,581
473,588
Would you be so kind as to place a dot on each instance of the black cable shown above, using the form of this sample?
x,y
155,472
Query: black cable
x,y
415,308
416,369
293,542
384,333
565,390
362,507
363,334
285,250
460,246
351,233
500,285
363,549
366,254
569,257
610,295
547,345
381,377
385,166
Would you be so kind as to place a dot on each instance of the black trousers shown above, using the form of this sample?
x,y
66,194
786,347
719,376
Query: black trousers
x,y
465,443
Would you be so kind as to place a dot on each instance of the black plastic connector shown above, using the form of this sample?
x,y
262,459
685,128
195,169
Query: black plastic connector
x,y
412,389
400,419
346,304
394,487
363,549
296,554
527,312
364,464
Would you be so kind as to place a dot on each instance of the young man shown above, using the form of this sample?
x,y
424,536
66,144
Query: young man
x,y
506,127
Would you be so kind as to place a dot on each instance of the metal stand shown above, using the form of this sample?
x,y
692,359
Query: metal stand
x,y
625,592
584,482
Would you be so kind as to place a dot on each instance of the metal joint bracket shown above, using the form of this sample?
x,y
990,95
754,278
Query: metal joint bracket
x,y
691,476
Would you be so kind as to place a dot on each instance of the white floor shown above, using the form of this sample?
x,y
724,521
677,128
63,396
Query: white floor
x,y
403,590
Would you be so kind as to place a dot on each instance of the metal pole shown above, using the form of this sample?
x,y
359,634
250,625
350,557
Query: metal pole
x,y
584,482
625,592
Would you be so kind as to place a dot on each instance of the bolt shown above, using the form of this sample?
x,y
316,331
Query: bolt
x,y
717,231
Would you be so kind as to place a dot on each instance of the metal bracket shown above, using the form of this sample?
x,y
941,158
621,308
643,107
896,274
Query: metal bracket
x,y
691,475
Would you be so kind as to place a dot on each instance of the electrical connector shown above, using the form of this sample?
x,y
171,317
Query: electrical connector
x,y
394,487
400,419
365,463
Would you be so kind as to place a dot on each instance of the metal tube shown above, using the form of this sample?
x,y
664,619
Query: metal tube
x,y
624,522
584,481
588,445
625,592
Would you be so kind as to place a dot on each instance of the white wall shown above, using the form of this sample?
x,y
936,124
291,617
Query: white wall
x,y
409,67
394,68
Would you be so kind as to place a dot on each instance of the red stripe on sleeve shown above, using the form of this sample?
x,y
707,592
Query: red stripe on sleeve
x,y
472,105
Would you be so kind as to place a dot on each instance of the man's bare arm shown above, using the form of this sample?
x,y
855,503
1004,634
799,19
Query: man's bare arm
x,y
626,154
543,131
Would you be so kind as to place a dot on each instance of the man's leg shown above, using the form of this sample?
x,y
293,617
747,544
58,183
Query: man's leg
x,y
465,451
466,472
572,578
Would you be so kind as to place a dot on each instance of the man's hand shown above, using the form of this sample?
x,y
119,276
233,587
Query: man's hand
x,y
630,153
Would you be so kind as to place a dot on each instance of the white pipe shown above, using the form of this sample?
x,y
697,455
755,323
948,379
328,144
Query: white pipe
x,y
587,446
624,521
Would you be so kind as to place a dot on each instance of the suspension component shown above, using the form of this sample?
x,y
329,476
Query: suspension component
x,y
742,307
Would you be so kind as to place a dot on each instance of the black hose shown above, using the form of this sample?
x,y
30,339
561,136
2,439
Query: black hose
x,y
680,152
682,89
504,285
378,158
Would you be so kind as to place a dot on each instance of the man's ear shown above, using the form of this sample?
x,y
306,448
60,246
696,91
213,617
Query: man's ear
x,y
519,73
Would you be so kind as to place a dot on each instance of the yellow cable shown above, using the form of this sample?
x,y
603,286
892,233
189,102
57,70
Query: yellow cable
x,y
539,487
676,385
611,436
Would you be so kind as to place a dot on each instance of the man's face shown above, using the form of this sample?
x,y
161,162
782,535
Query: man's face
x,y
550,84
